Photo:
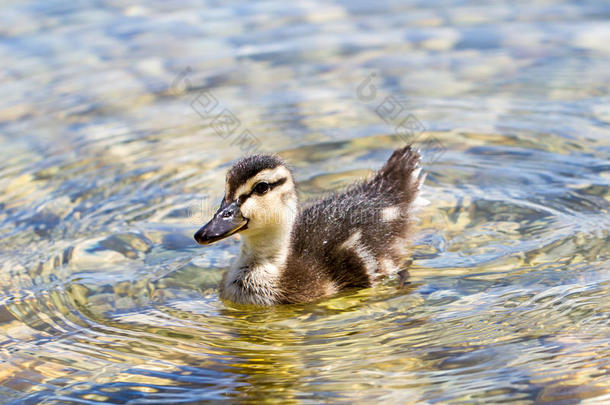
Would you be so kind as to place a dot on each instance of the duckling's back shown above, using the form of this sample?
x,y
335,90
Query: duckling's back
x,y
355,238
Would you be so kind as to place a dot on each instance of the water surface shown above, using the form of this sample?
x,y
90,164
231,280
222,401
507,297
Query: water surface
x,y
111,158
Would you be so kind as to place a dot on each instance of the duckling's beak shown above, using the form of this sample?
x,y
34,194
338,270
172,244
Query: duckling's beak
x,y
227,221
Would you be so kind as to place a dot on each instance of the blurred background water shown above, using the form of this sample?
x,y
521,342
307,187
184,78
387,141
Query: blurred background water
x,y
109,163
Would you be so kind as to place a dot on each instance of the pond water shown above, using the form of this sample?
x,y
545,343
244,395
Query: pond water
x,y
112,155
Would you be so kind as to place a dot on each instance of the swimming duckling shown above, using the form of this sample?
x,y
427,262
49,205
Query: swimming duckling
x,y
350,239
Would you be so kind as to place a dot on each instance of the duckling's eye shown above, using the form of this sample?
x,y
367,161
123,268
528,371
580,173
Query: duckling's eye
x,y
261,188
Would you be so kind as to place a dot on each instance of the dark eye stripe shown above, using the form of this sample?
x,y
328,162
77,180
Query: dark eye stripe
x,y
242,198
277,183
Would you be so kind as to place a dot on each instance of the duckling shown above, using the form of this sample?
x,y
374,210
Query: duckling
x,y
290,255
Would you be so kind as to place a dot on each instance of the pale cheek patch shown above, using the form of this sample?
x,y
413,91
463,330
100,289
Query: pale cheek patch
x,y
390,214
268,210
248,208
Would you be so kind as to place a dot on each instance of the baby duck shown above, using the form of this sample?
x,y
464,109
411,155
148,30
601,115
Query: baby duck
x,y
349,239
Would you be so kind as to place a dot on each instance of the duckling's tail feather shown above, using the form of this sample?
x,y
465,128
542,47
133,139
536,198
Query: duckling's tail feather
x,y
402,173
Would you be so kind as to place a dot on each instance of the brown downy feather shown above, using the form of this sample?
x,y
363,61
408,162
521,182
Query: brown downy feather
x,y
355,238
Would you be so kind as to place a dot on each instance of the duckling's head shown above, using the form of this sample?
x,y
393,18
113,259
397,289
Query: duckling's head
x,y
260,200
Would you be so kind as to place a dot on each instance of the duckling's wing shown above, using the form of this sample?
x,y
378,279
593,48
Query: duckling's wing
x,y
360,235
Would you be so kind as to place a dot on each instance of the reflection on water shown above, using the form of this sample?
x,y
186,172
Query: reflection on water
x,y
106,170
